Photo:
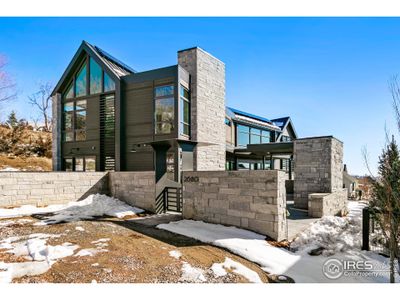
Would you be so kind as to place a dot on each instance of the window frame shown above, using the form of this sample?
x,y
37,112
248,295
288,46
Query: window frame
x,y
160,98
73,114
73,162
251,131
182,101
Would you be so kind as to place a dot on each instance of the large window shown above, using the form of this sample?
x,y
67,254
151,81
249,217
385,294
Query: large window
x,y
95,77
90,78
80,164
248,135
74,121
164,109
70,91
184,117
80,82
109,84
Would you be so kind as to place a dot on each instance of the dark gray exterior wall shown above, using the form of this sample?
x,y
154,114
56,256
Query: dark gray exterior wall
x,y
138,116
90,147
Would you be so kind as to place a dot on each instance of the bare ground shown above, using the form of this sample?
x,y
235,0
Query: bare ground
x,y
26,163
137,253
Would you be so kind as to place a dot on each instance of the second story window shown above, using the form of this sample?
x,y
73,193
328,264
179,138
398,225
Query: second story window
x,y
285,138
184,116
164,114
80,82
248,135
74,121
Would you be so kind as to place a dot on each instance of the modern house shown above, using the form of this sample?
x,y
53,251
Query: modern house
x,y
107,116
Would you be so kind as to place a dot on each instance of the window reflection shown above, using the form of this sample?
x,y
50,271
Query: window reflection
x,y
80,82
95,77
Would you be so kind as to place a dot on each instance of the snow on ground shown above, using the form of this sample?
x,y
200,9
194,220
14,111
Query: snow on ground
x,y
100,245
93,206
79,228
9,169
33,248
340,236
235,267
175,254
8,223
192,274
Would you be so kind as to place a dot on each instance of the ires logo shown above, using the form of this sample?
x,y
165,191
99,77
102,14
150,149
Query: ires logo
x,y
334,268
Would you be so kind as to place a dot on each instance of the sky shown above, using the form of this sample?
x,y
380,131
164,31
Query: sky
x,y
330,75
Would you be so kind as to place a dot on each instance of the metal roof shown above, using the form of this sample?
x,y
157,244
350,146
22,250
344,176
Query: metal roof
x,y
242,113
281,122
114,63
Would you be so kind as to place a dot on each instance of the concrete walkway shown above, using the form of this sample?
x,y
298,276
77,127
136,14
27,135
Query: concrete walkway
x,y
298,220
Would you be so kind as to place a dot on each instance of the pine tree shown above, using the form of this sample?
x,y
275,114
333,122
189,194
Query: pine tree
x,y
12,120
385,205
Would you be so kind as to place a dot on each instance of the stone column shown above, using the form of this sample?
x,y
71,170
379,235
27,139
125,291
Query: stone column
x,y
318,164
56,132
207,107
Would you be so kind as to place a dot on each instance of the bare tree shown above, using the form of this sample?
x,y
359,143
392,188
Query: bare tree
x,y
7,84
42,101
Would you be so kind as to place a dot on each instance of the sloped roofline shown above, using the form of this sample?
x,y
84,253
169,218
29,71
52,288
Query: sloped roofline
x,y
85,46
288,121
239,112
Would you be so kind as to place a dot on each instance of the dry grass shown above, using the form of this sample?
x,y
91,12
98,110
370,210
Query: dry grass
x,y
26,163
134,256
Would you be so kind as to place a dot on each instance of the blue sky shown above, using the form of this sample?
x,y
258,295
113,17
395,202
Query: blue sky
x,y
329,74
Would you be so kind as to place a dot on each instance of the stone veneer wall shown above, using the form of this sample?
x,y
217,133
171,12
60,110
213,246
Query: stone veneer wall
x,y
318,167
207,92
45,188
254,200
56,132
331,204
135,188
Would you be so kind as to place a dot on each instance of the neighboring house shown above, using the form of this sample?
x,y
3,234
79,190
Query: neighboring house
x,y
350,183
107,116
243,129
364,186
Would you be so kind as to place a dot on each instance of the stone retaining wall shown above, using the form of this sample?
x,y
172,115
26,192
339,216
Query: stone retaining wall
x,y
327,204
254,200
318,165
45,188
135,188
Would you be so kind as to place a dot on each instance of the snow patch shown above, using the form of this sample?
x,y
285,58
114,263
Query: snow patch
x,y
33,248
175,254
100,245
9,169
191,274
235,267
79,228
93,206
340,236
8,223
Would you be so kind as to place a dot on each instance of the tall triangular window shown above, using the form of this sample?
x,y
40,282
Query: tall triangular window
x,y
69,94
96,85
81,82
109,84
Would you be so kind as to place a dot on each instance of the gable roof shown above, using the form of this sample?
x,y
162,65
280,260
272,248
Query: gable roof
x,y
115,68
250,119
117,65
283,123
242,113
